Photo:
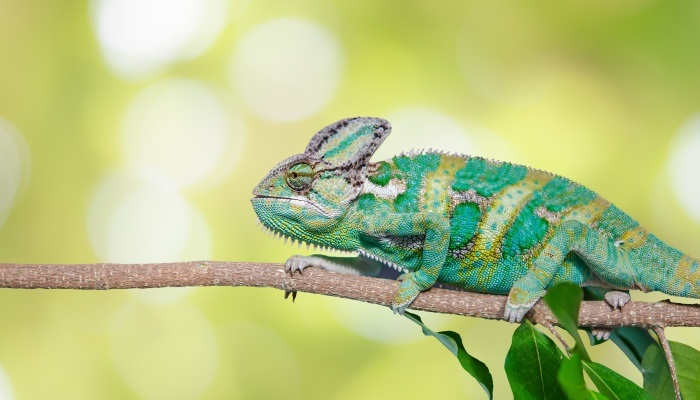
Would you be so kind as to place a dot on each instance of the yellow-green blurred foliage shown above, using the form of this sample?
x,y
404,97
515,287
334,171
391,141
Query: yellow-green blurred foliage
x,y
135,131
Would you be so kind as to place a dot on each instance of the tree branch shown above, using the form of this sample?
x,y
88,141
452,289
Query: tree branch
x,y
314,280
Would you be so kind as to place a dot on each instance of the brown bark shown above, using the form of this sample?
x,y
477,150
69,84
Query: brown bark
x,y
314,280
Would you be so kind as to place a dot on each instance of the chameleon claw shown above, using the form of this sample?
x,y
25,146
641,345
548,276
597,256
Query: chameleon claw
x,y
398,310
292,292
601,334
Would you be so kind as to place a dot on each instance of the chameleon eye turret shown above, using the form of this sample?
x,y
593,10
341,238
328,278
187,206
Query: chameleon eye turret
x,y
299,176
479,224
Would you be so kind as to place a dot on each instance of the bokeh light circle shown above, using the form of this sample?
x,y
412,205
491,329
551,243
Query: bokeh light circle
x,y
144,219
181,129
684,166
258,353
5,386
164,352
139,37
286,69
424,128
379,324
14,166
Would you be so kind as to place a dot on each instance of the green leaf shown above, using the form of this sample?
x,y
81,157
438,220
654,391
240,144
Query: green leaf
x,y
532,364
657,378
570,377
634,342
564,299
611,384
453,342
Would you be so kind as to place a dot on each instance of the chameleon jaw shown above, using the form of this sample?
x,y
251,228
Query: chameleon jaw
x,y
296,201
309,245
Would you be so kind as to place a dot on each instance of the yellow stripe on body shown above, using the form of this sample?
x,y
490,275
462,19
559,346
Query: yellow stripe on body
x,y
683,275
435,192
505,207
589,213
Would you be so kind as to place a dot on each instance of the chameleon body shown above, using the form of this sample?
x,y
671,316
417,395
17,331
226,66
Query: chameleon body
x,y
470,222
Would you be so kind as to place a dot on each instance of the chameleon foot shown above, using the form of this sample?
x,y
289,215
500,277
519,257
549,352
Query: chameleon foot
x,y
297,264
601,334
519,302
617,299
515,313
408,291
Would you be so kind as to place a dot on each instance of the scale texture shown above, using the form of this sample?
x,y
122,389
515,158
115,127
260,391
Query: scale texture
x,y
478,224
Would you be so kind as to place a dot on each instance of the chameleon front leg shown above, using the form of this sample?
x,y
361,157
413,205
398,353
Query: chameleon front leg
x,y
436,228
344,265
598,251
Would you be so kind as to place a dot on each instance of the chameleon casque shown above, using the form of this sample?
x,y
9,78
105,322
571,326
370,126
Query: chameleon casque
x,y
466,221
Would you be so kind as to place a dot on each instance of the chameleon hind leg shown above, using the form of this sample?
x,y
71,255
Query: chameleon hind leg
x,y
598,252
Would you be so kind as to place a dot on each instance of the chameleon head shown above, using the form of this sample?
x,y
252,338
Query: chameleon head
x,y
308,194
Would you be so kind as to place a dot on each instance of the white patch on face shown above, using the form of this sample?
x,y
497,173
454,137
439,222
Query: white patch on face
x,y
392,189
307,204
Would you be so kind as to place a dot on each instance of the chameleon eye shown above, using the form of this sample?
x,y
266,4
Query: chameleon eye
x,y
299,176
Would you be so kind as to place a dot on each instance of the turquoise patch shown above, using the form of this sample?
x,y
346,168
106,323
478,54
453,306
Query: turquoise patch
x,y
487,177
414,170
616,222
463,224
345,143
383,174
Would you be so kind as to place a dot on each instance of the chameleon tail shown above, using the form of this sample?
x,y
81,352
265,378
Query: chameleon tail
x,y
685,280
663,268
674,273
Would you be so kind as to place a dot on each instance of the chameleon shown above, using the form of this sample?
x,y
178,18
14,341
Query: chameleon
x,y
466,221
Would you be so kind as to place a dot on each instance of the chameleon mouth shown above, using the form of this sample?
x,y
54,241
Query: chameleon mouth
x,y
295,201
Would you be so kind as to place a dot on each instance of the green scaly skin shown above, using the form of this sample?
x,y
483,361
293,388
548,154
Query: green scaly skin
x,y
478,224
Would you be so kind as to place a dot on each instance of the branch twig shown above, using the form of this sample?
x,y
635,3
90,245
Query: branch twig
x,y
669,360
314,280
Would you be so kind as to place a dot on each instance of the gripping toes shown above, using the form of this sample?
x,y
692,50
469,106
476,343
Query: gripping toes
x,y
297,264
408,291
519,303
617,299
601,334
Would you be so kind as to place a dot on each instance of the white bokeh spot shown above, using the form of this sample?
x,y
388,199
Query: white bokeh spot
x,y
286,69
14,166
181,129
140,219
164,352
139,37
5,386
419,128
684,166
379,324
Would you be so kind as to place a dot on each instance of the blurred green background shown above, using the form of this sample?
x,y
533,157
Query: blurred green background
x,y
134,131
